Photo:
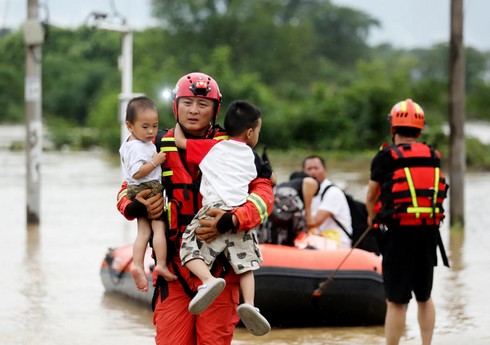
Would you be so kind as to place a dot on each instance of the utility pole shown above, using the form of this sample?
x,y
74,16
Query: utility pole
x,y
457,150
126,67
103,21
33,39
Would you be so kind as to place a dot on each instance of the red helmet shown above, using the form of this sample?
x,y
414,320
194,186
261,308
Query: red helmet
x,y
197,84
407,114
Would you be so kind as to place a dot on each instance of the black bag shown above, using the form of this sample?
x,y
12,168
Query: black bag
x,y
359,215
287,204
287,217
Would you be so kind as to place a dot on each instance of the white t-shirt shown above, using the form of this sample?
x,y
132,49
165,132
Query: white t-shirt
x,y
227,166
333,201
134,154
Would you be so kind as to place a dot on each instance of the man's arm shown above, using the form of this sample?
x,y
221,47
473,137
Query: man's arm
x,y
371,197
320,217
249,215
309,188
179,136
258,206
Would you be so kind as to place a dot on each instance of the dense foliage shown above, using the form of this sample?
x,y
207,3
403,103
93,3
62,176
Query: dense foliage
x,y
306,64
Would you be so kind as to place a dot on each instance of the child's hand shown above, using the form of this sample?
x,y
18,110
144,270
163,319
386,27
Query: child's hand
x,y
179,136
159,158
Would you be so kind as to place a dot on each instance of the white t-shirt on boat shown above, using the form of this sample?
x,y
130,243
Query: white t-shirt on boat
x,y
333,201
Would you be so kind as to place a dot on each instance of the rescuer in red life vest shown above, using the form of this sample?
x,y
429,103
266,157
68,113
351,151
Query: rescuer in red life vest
x,y
196,105
405,195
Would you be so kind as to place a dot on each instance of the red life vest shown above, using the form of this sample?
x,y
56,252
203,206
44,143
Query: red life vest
x,y
417,189
182,182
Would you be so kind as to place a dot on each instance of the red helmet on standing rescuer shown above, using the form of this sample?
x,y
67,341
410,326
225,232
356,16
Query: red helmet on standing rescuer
x,y
197,84
407,113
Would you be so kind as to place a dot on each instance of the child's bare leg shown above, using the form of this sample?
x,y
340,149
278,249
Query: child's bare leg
x,y
250,316
200,270
247,285
207,292
160,248
139,249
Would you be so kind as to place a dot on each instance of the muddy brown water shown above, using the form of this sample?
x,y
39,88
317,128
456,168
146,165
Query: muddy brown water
x,y
51,292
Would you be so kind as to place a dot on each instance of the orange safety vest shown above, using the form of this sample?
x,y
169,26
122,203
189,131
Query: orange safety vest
x,y
182,184
417,189
183,200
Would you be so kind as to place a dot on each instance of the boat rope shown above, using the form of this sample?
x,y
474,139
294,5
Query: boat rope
x,y
324,283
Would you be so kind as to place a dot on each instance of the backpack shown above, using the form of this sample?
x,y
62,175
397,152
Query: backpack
x,y
359,215
287,204
287,218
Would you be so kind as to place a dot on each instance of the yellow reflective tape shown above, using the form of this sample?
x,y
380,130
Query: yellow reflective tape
x,y
167,139
168,149
436,184
260,205
167,173
411,186
169,213
418,210
122,195
221,137
403,106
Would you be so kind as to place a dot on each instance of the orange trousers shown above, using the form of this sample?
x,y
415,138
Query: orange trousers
x,y
176,326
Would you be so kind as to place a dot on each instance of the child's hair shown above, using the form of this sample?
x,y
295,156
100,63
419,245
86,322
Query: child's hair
x,y
241,116
138,104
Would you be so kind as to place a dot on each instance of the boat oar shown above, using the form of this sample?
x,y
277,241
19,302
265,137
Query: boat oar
x,y
323,284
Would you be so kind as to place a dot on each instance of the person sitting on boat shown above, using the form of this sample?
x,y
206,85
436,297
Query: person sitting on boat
x,y
227,167
328,209
292,208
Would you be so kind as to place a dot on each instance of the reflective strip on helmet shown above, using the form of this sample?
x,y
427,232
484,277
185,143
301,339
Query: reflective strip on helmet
x,y
260,205
403,106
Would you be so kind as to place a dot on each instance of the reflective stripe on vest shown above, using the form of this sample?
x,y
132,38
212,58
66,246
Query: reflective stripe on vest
x,y
168,146
260,205
121,195
413,195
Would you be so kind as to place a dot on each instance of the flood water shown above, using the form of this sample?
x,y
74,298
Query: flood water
x,y
51,292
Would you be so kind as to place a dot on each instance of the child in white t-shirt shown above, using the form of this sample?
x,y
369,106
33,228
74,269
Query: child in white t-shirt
x,y
142,170
228,167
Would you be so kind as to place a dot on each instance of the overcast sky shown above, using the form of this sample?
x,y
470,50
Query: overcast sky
x,y
405,23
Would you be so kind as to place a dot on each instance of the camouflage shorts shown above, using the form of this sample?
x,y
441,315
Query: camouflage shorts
x,y
241,248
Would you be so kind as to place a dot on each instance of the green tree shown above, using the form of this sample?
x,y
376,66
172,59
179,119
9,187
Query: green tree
x,y
12,62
